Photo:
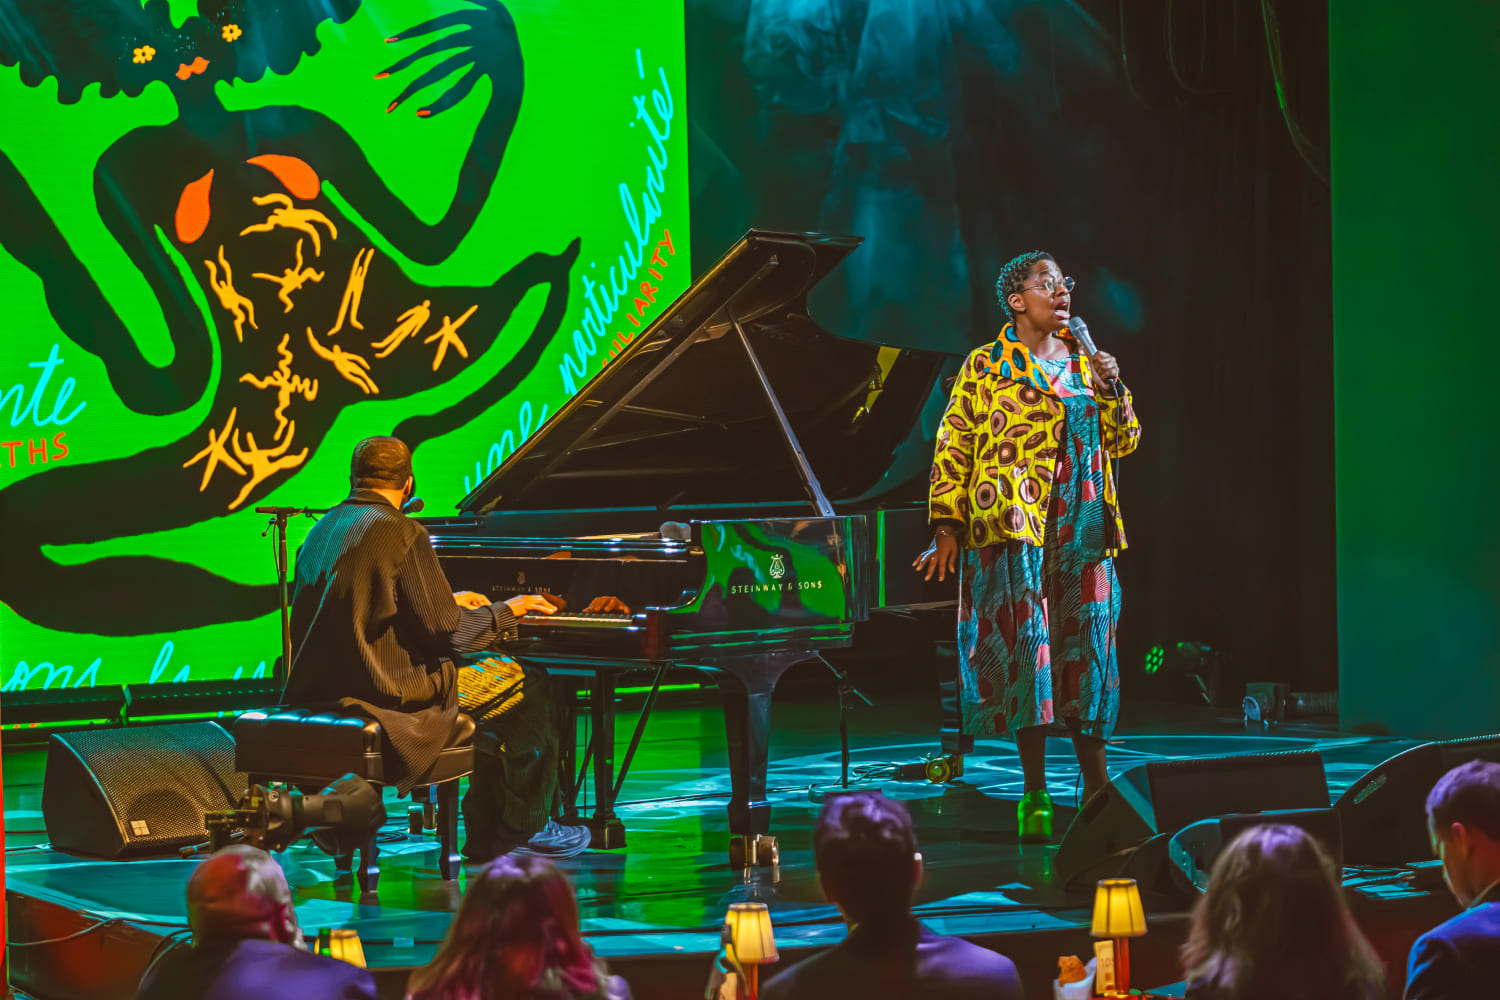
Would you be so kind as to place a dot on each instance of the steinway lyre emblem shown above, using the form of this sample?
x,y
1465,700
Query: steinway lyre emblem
x,y
521,578
778,568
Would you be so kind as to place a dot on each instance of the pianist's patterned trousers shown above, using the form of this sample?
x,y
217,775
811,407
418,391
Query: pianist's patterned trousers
x,y
514,782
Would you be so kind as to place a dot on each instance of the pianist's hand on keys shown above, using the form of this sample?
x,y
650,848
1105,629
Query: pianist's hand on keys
x,y
469,599
524,603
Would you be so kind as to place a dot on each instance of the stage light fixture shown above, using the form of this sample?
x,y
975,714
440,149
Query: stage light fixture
x,y
349,811
1197,664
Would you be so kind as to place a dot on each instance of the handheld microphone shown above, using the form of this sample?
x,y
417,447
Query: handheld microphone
x,y
1080,331
413,505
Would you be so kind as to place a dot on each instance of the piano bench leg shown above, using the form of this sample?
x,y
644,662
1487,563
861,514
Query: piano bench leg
x,y
344,862
606,835
449,861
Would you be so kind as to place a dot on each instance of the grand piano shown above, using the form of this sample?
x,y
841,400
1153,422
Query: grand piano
x,y
728,475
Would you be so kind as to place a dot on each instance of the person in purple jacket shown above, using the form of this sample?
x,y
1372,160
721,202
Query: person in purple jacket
x,y
246,942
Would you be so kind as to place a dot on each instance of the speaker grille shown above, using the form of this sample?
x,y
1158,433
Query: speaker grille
x,y
157,781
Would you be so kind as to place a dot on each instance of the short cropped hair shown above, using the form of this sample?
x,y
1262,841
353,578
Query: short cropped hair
x,y
1014,274
1468,794
240,892
380,463
865,851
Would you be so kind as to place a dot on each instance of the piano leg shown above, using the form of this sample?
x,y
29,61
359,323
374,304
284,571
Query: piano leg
x,y
608,831
568,779
747,686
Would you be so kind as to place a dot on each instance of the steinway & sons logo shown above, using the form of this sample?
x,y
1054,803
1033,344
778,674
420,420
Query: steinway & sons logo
x,y
777,573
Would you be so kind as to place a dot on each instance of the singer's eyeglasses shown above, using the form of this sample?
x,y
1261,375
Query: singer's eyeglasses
x,y
1049,285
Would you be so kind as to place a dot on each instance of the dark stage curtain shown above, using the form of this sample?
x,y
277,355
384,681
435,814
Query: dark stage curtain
x,y
1158,166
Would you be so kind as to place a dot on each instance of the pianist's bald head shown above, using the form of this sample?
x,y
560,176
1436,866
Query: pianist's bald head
x,y
380,463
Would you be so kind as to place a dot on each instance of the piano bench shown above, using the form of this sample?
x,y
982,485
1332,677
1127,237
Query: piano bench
x,y
303,746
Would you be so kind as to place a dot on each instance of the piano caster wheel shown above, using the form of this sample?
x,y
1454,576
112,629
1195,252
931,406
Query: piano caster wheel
x,y
608,837
414,819
941,770
747,852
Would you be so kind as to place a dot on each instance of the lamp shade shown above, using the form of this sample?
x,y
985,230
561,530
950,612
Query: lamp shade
x,y
343,944
1117,909
750,930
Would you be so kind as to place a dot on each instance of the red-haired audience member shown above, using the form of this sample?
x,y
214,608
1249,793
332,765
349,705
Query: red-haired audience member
x,y
1461,958
515,937
1274,924
869,867
246,942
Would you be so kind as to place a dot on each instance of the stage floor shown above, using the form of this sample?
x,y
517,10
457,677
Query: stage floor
x,y
664,895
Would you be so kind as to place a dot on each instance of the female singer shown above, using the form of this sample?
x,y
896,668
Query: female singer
x,y
1023,482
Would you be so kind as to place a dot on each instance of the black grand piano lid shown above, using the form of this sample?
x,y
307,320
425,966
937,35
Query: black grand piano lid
x,y
680,416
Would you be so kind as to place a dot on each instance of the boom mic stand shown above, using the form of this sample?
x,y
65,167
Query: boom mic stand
x,y
277,528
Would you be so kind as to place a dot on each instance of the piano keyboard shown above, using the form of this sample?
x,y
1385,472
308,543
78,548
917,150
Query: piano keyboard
x,y
565,619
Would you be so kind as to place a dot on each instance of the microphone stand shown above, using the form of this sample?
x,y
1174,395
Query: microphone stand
x,y
279,518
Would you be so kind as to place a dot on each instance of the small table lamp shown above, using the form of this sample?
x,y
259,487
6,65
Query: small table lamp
x,y
1118,915
343,944
754,944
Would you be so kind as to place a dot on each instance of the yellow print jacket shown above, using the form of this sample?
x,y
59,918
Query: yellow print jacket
x,y
998,446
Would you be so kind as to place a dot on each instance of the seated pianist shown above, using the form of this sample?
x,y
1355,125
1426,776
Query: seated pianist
x,y
377,629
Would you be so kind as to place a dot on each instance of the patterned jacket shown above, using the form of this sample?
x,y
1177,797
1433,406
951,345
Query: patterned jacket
x,y
998,446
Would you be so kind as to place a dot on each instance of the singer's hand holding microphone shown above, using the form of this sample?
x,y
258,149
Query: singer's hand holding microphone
x,y
1106,367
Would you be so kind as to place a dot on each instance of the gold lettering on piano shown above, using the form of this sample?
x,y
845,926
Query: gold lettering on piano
x,y
787,587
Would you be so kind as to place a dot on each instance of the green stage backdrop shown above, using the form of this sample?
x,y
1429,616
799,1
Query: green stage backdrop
x,y
238,236
1415,217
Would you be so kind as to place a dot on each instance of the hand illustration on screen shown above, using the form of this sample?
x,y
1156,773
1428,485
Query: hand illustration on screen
x,y
487,46
298,300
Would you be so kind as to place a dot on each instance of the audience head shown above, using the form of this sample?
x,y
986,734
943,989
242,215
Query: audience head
x,y
515,935
1463,819
1274,923
240,892
867,857
380,463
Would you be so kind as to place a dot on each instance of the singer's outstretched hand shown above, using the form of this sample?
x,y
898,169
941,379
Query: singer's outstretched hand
x,y
1106,369
941,557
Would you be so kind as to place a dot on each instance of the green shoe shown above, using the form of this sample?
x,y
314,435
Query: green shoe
x,y
1034,816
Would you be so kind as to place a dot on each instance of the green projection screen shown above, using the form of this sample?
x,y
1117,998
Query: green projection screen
x,y
1415,253
239,236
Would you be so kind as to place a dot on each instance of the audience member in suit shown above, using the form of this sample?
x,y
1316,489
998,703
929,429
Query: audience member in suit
x,y
1274,924
1461,958
869,867
516,937
246,942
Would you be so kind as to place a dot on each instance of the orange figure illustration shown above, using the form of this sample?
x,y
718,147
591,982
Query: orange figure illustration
x,y
448,334
265,462
354,288
215,452
408,324
287,217
235,303
351,366
285,383
291,279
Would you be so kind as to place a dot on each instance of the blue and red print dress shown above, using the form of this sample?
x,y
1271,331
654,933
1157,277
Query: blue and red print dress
x,y
1036,628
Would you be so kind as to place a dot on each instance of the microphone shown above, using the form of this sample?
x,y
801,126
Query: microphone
x,y
413,505
1080,331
